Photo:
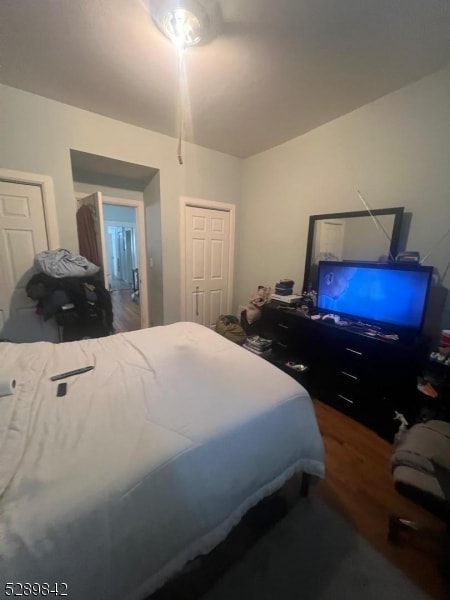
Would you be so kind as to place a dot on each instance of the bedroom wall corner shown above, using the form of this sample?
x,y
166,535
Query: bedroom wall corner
x,y
38,135
395,150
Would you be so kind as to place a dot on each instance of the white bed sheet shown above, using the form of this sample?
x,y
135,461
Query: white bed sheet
x,y
149,460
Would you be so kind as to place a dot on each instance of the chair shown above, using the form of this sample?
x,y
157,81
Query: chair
x,y
421,472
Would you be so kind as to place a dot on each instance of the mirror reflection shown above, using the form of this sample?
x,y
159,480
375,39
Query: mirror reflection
x,y
352,236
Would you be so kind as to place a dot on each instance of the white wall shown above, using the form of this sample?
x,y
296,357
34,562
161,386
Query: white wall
x,y
121,214
395,150
152,204
106,190
363,240
37,134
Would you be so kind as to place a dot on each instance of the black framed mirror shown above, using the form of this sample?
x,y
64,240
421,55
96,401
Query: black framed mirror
x,y
358,235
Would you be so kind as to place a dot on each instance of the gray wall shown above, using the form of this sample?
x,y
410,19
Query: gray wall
x,y
122,214
395,150
364,240
37,135
152,204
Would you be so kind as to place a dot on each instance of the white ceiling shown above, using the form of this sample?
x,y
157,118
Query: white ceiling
x,y
278,68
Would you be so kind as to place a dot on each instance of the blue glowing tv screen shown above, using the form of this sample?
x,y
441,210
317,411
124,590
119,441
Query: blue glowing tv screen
x,y
391,293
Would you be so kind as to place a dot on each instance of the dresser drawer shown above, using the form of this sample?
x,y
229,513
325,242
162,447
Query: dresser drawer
x,y
348,388
350,375
362,360
281,346
283,328
365,377
279,332
350,393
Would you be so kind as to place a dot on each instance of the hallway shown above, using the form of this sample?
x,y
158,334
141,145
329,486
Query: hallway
x,y
127,314
119,284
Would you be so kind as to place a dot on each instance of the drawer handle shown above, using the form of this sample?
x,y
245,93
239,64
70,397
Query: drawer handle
x,y
283,326
282,345
346,399
354,351
349,375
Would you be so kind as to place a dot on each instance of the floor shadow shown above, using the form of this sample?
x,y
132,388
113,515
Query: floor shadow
x,y
313,554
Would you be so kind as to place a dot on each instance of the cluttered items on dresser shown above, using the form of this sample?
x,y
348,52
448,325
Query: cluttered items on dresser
x,y
284,292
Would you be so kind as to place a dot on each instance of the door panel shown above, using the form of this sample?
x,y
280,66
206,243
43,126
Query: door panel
x,y
207,236
216,306
129,255
217,225
94,201
20,249
198,259
331,239
217,259
198,223
23,234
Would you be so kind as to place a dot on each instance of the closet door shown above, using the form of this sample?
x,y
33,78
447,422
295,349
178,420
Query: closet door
x,y
207,249
23,234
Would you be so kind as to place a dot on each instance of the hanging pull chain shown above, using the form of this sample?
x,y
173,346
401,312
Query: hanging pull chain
x,y
180,106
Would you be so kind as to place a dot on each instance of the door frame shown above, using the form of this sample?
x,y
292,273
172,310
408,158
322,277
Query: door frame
x,y
142,247
186,201
141,250
45,183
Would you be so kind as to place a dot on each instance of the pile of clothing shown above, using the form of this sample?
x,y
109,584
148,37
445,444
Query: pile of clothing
x,y
68,287
228,326
250,317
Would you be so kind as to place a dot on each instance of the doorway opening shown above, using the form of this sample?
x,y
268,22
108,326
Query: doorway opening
x,y
101,181
121,254
123,267
121,246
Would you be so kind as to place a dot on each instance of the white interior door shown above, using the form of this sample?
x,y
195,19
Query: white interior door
x,y
22,235
120,253
94,201
110,254
331,240
129,255
207,236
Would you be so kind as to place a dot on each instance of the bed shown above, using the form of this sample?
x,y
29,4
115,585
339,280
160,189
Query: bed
x,y
149,460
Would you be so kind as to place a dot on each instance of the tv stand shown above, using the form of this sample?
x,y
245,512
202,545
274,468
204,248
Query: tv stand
x,y
366,377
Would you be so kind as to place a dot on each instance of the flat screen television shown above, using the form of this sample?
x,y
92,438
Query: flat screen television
x,y
393,295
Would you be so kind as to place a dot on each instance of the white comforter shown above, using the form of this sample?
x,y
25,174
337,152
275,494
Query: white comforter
x,y
149,460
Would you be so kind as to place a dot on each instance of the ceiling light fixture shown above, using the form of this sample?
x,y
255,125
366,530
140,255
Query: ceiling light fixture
x,y
182,27
184,22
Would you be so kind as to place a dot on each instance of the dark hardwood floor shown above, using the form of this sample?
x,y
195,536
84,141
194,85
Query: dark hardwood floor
x,y
126,312
358,485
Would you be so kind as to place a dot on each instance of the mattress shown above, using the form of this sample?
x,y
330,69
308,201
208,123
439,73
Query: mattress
x,y
149,460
